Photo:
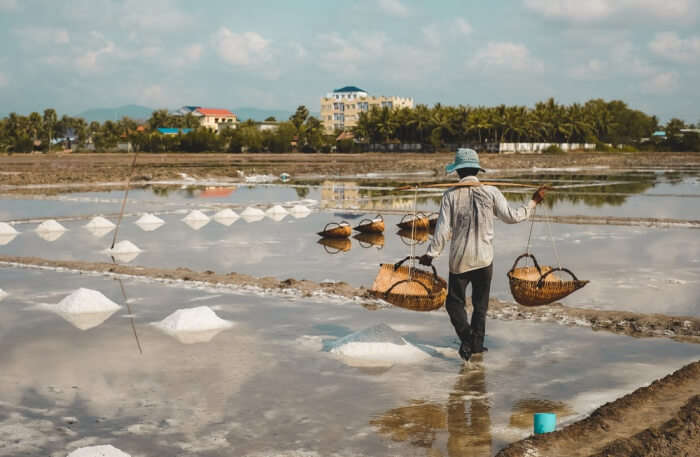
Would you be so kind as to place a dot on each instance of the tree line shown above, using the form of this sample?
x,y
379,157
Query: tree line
x,y
437,128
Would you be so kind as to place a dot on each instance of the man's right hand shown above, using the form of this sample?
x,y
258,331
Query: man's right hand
x,y
539,194
426,260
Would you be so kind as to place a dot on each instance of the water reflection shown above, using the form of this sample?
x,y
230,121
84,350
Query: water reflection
x,y
466,419
335,245
50,236
523,411
6,238
413,237
98,232
367,240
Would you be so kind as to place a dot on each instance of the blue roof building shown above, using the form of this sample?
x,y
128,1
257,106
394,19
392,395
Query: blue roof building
x,y
172,131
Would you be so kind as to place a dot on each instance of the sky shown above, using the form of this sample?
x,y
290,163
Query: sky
x,y
78,54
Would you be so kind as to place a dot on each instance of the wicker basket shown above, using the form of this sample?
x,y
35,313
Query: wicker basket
x,y
336,230
537,286
335,245
375,225
432,220
414,289
419,222
367,240
413,237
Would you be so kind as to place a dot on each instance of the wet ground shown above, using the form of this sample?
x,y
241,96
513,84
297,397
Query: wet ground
x,y
270,385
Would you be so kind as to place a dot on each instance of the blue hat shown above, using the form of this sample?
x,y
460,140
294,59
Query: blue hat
x,y
465,158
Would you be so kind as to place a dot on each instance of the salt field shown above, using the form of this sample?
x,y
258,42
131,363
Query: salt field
x,y
101,359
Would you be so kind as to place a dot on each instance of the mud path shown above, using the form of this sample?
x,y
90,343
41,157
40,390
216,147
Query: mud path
x,y
662,419
686,329
24,169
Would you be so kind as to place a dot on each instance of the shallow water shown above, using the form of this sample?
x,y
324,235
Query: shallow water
x,y
271,388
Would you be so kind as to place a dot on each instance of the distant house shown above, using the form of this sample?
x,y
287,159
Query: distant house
x,y
267,126
659,135
211,118
172,131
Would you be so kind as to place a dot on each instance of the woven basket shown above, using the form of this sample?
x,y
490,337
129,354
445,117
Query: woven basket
x,y
367,240
419,222
412,238
335,245
432,220
375,225
537,286
336,230
414,289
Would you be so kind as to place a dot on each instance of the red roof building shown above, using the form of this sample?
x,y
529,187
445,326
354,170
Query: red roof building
x,y
215,118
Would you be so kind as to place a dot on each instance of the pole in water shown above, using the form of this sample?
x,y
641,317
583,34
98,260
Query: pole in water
x,y
126,194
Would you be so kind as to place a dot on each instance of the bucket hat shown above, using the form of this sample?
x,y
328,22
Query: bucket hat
x,y
464,158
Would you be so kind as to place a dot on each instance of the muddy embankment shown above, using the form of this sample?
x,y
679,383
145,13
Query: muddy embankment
x,y
686,329
661,420
27,169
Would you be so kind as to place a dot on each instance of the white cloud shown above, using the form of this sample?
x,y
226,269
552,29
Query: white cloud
x,y
594,10
592,69
661,83
670,46
193,52
506,56
154,95
157,15
463,26
4,81
394,7
88,61
241,49
43,35
431,33
7,5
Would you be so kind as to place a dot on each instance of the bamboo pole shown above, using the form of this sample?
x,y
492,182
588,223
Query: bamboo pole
x,y
126,194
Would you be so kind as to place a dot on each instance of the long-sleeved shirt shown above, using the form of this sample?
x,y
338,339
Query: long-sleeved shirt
x,y
466,218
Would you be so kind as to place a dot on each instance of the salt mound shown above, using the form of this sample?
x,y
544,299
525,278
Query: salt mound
x,y
50,226
123,247
85,301
276,210
300,211
99,222
226,214
149,219
50,236
98,451
196,216
3,294
253,212
377,346
197,319
7,229
6,238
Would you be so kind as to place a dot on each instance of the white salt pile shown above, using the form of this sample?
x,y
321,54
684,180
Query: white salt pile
x,y
7,229
3,294
148,222
226,217
99,222
300,211
196,215
50,236
193,325
376,346
124,251
277,209
50,226
251,214
86,301
6,238
98,451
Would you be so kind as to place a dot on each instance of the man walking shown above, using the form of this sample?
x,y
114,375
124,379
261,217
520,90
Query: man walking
x,y
467,219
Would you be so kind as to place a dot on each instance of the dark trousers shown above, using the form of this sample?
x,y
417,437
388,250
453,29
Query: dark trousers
x,y
472,335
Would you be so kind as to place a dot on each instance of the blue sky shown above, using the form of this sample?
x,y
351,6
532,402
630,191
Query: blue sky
x,y
79,54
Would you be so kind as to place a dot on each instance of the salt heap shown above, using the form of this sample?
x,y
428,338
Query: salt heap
x,y
3,294
85,308
251,214
277,209
124,251
193,325
300,211
50,226
226,217
196,219
376,346
148,222
7,229
98,451
99,222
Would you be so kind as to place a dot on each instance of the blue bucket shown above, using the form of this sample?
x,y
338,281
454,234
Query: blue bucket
x,y
545,423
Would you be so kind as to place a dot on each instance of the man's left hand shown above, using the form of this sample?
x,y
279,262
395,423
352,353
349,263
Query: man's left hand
x,y
426,260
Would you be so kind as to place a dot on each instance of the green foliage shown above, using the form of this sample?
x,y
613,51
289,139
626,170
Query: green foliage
x,y
553,149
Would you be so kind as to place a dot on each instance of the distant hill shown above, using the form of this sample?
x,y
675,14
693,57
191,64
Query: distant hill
x,y
135,112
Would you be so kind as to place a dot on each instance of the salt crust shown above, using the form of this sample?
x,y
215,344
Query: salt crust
x,y
98,451
99,222
85,301
50,226
123,247
196,216
149,219
199,319
276,210
225,214
378,345
252,212
7,229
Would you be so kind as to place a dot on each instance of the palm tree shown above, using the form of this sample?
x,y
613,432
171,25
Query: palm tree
x,y
50,118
